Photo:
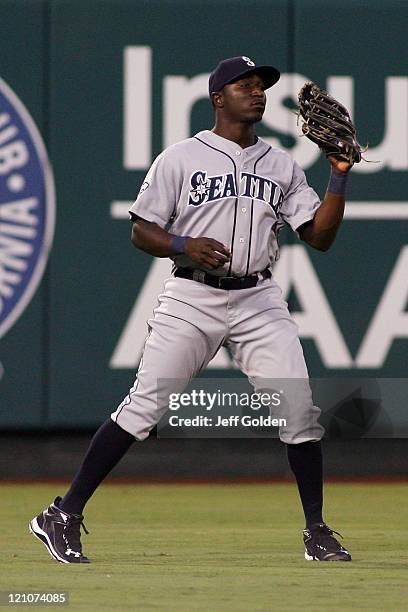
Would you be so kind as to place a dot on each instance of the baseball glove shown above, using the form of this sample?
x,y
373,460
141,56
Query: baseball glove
x,y
327,123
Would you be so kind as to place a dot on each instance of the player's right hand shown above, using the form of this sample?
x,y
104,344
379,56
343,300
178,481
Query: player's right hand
x,y
207,252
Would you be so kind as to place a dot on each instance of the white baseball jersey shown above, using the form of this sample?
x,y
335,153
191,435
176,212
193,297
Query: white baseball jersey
x,y
208,186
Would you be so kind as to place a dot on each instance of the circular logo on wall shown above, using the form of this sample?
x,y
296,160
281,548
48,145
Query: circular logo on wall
x,y
27,208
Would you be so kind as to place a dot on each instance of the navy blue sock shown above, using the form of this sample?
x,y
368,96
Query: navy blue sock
x,y
107,447
306,463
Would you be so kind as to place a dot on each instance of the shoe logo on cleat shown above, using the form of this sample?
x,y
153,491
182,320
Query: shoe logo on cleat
x,y
69,551
64,518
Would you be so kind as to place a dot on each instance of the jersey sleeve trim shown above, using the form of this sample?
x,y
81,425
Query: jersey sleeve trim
x,y
305,220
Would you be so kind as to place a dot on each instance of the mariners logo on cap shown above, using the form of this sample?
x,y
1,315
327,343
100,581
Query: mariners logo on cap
x,y
27,208
248,61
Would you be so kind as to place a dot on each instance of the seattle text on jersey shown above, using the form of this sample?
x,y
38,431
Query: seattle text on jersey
x,y
206,189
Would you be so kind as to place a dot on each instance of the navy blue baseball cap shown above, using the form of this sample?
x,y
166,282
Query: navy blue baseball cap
x,y
235,68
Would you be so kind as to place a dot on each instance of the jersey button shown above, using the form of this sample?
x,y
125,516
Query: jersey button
x,y
237,152
242,239
244,209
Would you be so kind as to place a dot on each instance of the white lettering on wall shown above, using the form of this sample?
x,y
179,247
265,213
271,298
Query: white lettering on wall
x,y
390,320
180,93
137,111
316,321
282,119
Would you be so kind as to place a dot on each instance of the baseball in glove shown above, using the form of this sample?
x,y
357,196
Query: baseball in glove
x,y
327,123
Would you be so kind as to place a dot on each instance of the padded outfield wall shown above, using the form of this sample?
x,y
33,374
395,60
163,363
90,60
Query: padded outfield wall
x,y
108,84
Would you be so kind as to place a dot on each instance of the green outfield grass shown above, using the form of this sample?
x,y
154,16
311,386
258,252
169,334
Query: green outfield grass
x,y
214,547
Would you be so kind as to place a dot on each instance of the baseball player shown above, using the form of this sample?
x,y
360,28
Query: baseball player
x,y
214,204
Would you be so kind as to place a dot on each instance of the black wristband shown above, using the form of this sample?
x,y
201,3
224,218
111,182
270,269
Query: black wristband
x,y
178,244
337,182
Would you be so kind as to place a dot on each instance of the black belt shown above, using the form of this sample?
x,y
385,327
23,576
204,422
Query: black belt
x,y
223,282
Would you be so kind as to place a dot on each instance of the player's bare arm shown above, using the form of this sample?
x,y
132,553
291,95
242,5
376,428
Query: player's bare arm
x,y
321,232
153,239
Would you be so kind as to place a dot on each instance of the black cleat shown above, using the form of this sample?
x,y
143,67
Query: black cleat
x,y
59,531
321,545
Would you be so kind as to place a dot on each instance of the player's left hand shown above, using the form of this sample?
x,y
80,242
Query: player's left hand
x,y
339,165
